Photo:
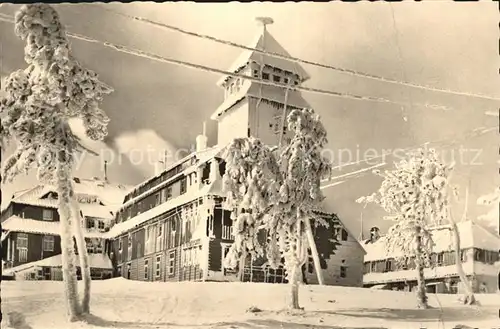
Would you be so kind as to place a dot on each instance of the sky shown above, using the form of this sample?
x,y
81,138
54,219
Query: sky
x,y
157,106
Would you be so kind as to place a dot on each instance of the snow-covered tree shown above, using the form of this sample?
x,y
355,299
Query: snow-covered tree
x,y
251,176
412,194
39,101
278,194
289,227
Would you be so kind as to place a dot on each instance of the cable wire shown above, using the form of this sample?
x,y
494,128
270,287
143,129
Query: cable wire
x,y
158,58
298,60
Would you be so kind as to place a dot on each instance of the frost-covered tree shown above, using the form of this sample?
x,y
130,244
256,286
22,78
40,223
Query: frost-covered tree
x,y
289,227
469,297
39,101
251,176
414,196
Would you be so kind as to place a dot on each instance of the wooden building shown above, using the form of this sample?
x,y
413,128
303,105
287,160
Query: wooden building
x,y
31,242
479,252
173,228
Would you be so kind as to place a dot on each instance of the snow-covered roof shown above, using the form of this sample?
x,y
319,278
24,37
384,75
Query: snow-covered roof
x,y
28,225
123,227
111,195
201,157
472,235
95,261
265,41
270,93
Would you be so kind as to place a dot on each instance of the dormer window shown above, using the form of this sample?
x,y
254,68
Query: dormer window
x,y
276,78
285,80
47,214
255,73
265,76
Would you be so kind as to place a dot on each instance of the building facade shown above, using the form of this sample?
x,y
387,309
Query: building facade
x,y
479,254
31,242
173,227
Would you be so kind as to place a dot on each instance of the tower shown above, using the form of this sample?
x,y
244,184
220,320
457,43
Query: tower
x,y
254,109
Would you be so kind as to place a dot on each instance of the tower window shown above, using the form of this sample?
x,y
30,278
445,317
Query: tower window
x,y
265,76
276,78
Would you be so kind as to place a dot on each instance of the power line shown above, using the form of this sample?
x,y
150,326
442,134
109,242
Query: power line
x,y
140,53
476,132
298,60
158,58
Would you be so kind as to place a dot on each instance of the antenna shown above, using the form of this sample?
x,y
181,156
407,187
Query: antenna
x,y
105,171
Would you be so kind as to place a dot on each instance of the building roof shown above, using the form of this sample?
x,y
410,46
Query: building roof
x,y
472,235
201,158
28,225
270,93
111,196
265,41
349,232
99,261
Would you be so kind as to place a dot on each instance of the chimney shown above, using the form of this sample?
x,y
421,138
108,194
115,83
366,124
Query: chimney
x,y
374,234
105,171
201,140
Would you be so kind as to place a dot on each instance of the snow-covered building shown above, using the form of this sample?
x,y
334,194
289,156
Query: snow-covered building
x,y
172,227
479,251
31,232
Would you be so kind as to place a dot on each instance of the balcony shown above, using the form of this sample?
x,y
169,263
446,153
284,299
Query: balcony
x,y
227,232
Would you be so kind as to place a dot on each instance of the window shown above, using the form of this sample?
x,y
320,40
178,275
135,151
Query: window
x,y
265,76
120,245
388,265
343,235
159,237
183,185
169,193
276,78
372,267
22,241
248,132
146,265
343,271
157,199
48,243
255,73
171,263
158,266
90,223
440,259
149,240
23,255
129,247
285,80
47,214
295,82
100,224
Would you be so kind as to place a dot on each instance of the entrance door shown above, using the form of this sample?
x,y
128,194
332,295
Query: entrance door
x,y
128,271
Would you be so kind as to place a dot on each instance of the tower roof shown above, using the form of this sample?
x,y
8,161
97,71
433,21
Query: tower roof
x,y
265,41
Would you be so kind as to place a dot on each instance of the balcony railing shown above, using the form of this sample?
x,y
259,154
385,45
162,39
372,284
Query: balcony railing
x,y
227,232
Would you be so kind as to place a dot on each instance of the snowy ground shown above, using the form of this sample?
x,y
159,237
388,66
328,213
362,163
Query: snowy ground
x,y
119,303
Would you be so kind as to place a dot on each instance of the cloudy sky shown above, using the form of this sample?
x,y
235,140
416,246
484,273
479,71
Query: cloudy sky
x,y
158,106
